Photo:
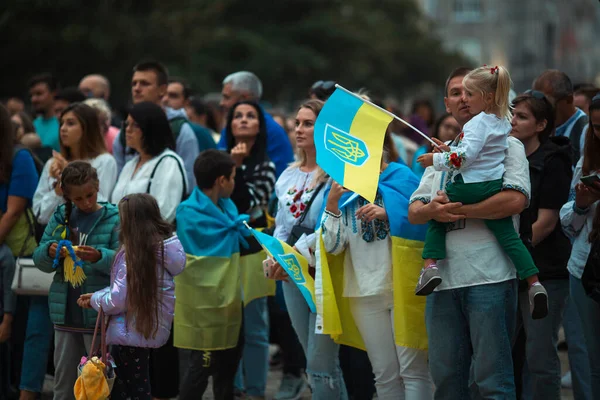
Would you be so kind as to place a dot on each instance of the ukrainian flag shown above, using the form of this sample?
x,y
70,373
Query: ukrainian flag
x,y
349,134
396,185
294,264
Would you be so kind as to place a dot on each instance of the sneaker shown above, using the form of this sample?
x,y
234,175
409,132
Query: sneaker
x,y
291,388
538,301
430,278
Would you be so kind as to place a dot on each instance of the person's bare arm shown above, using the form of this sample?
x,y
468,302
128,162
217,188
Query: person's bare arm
x,y
504,204
438,209
544,225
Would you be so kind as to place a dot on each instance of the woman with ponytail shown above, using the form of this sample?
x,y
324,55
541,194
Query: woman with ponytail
x,y
92,229
580,219
475,166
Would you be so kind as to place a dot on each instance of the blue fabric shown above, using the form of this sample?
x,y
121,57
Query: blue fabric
x,y
38,339
207,230
251,376
48,131
279,148
471,329
416,167
566,128
589,313
322,360
396,184
23,179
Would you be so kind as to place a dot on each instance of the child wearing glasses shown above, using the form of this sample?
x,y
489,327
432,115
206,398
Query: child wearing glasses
x,y
474,163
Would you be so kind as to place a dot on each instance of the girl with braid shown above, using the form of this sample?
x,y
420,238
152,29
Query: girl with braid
x,y
93,228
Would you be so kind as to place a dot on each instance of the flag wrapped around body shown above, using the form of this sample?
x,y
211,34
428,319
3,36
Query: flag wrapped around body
x,y
294,264
396,185
349,135
208,310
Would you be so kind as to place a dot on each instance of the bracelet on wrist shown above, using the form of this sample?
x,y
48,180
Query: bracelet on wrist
x,y
580,211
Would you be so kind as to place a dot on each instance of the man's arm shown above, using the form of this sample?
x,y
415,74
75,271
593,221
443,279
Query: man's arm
x,y
504,204
438,209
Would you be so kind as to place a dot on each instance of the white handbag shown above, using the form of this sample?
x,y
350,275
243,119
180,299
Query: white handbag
x,y
29,280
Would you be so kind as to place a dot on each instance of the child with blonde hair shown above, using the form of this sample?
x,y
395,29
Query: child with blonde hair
x,y
475,166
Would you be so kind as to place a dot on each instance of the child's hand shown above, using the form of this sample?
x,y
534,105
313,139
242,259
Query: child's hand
x,y
85,300
426,160
52,251
442,147
369,212
89,254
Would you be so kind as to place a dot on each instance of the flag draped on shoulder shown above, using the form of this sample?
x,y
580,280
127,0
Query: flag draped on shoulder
x,y
294,264
396,185
349,134
208,310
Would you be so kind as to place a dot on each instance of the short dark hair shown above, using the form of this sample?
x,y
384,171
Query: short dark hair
x,y
46,78
460,71
162,74
70,94
156,131
187,89
211,165
541,109
559,83
586,89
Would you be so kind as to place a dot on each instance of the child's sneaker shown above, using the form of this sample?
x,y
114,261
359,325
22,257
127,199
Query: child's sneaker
x,y
538,301
430,278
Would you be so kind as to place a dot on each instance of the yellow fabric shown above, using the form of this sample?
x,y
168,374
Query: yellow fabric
x,y
409,310
254,283
208,310
92,384
18,234
76,277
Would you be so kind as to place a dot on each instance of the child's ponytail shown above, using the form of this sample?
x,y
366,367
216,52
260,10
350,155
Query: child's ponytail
x,y
503,92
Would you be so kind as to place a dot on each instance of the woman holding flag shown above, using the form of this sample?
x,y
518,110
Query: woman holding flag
x,y
300,191
366,253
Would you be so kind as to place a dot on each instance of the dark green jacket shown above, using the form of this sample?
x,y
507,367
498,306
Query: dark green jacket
x,y
104,236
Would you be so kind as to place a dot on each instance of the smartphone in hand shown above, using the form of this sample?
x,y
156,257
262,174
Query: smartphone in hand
x,y
591,180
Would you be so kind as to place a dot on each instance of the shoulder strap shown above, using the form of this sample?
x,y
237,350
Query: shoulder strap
x,y
183,195
176,124
312,199
575,136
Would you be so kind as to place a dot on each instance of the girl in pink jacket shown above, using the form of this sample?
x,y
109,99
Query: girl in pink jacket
x,y
141,298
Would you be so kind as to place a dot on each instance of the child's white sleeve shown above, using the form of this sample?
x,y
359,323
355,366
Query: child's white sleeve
x,y
475,134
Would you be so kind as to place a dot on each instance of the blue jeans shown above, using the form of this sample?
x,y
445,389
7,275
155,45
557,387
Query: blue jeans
x,y
577,351
322,360
541,373
589,313
470,332
37,345
254,365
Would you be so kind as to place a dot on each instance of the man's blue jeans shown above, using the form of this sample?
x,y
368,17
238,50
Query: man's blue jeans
x,y
37,345
470,333
322,361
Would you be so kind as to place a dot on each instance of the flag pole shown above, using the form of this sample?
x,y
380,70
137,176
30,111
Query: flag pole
x,y
390,114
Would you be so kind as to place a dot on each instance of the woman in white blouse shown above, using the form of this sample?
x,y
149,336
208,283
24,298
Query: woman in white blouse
x,y
295,188
156,169
80,139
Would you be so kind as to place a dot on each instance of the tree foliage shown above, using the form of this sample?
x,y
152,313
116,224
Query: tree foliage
x,y
386,46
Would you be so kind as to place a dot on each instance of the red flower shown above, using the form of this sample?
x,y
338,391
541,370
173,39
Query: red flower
x,y
293,208
455,160
297,215
302,206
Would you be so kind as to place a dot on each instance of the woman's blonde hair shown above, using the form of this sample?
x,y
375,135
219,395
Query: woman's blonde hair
x,y
315,106
495,80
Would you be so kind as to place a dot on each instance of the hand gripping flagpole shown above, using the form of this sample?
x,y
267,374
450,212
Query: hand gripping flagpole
x,y
390,114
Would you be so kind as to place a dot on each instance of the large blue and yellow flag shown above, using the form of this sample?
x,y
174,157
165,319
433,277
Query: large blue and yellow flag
x,y
294,264
208,310
349,134
396,185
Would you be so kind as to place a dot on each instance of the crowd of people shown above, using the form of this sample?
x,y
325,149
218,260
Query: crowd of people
x,y
152,206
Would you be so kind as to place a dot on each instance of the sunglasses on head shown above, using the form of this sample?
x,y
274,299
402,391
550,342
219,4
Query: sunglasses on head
x,y
323,85
596,98
536,94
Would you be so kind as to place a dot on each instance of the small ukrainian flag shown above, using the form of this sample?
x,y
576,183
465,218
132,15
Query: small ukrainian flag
x,y
349,135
